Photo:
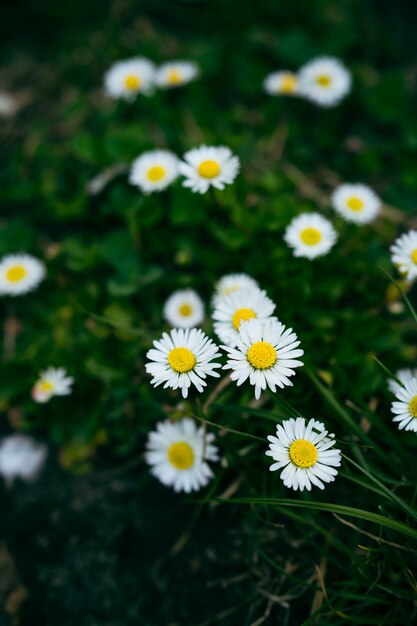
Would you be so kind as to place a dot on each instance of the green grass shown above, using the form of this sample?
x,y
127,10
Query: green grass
x,y
345,556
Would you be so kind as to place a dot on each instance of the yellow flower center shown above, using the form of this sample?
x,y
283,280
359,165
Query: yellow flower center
x,y
132,82
174,77
310,236
355,204
289,83
181,455
181,360
414,256
185,310
45,385
303,453
155,173
242,315
413,406
209,169
324,80
261,355
16,273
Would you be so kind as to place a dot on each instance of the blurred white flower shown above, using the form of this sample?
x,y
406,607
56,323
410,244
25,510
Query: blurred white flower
x,y
282,83
310,235
52,382
154,170
176,73
403,375
184,309
231,283
356,203
126,79
209,166
404,254
178,453
21,457
325,81
20,273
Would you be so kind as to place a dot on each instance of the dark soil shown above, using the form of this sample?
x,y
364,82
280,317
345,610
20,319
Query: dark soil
x,y
99,551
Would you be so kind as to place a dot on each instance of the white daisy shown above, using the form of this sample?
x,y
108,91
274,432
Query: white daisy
x,y
184,309
239,307
265,353
154,170
404,376
208,166
20,273
356,203
178,453
232,283
405,409
21,457
310,235
52,382
306,453
325,81
176,73
182,358
404,254
126,79
281,83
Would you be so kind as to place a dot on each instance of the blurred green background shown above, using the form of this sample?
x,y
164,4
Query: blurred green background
x,y
113,258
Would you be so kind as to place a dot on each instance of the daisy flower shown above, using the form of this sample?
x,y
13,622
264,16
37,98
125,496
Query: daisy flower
x,y
21,457
126,79
209,166
356,203
20,273
404,254
178,453
182,358
306,453
176,73
184,309
52,382
154,170
265,353
231,283
281,83
238,307
310,235
404,376
325,81
405,409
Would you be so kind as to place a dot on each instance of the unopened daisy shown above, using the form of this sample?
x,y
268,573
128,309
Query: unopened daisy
x,y
126,79
20,273
305,453
356,203
184,309
281,83
405,407
21,457
404,376
178,453
238,307
182,358
266,353
325,81
52,382
209,166
176,73
310,235
231,283
404,254
154,170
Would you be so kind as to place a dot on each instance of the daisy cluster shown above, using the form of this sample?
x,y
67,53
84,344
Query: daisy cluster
x,y
260,350
324,81
126,79
201,168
